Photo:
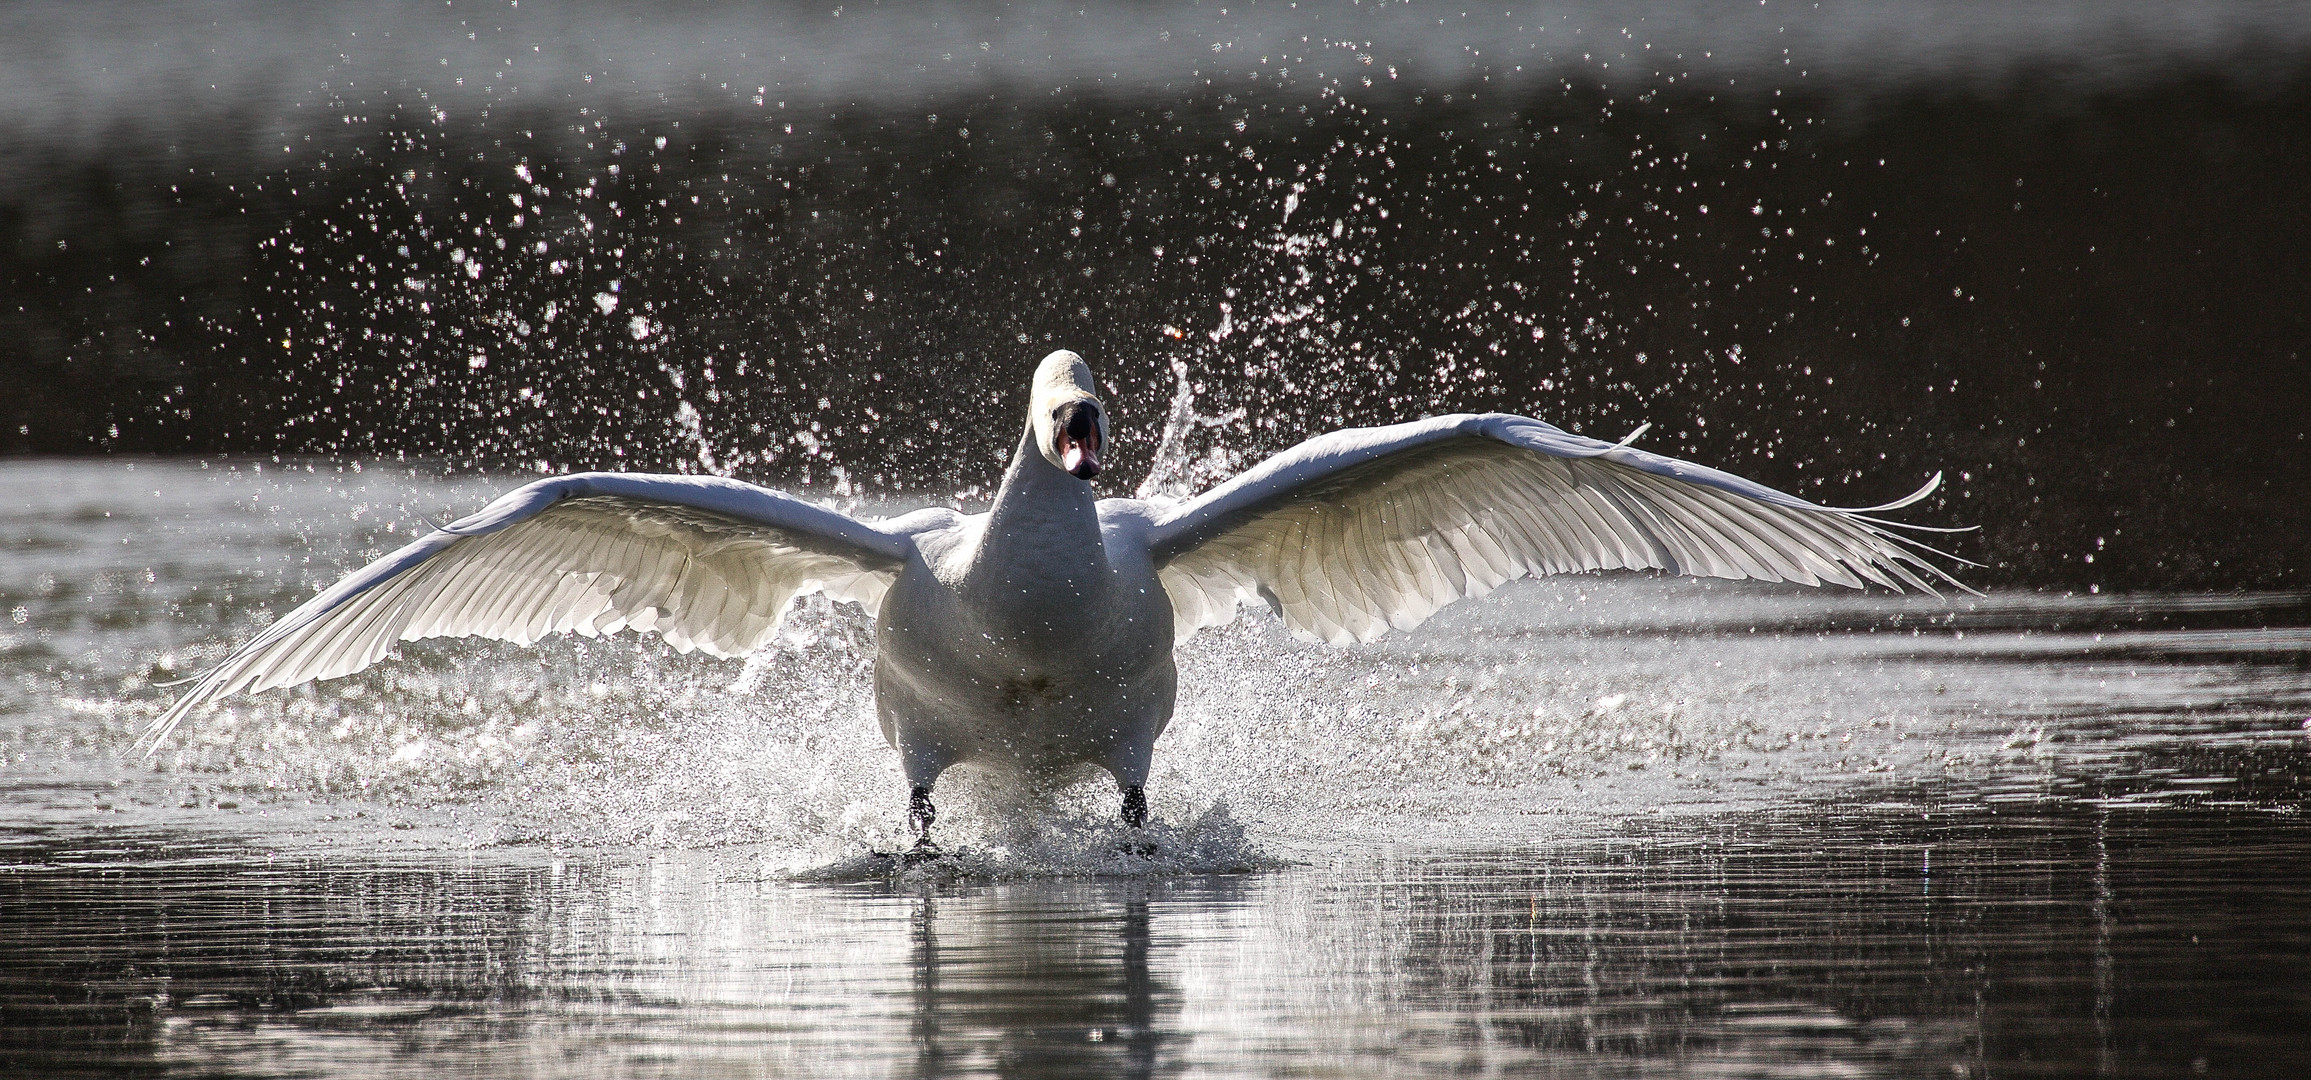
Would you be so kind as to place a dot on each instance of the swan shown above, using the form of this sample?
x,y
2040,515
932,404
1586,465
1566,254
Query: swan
x,y
1040,633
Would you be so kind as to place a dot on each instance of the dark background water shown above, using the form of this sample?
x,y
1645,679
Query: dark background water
x,y
2055,251
1592,828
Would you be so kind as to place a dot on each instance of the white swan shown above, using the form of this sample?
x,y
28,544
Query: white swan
x,y
1041,631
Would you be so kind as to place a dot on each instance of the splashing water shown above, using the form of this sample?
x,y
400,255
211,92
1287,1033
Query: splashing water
x,y
1040,834
1177,471
1563,701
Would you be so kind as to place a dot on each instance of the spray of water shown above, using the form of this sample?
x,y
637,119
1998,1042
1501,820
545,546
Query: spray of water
x,y
1178,469
1566,700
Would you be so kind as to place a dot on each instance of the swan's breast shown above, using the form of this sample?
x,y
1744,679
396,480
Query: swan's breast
x,y
1016,638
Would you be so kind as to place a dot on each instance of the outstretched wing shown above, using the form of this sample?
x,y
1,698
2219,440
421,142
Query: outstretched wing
x,y
1355,532
708,563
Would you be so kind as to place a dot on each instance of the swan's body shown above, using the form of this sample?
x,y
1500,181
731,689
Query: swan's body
x,y
1040,632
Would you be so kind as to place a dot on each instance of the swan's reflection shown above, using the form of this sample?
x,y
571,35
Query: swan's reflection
x,y
1757,948
1057,979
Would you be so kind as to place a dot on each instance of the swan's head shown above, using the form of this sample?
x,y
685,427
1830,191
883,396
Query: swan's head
x,y
1070,423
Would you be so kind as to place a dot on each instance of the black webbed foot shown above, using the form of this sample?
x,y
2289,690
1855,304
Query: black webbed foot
x,y
920,816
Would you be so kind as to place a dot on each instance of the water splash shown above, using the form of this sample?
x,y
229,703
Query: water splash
x,y
1178,472
692,426
1047,839
1566,700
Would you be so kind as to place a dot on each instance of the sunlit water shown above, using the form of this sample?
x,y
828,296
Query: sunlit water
x,y
1589,826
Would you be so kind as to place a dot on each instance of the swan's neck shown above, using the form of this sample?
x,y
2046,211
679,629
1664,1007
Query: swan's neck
x,y
1042,535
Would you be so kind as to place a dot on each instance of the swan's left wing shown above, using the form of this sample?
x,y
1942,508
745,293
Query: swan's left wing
x,y
1355,532
708,563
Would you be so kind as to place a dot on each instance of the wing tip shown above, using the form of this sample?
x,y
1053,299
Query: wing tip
x,y
1933,483
149,742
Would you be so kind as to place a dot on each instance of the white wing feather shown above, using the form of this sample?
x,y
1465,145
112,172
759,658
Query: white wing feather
x,y
1351,534
710,564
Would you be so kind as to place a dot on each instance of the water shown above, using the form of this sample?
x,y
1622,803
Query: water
x,y
1821,941
1590,826
2049,249
274,299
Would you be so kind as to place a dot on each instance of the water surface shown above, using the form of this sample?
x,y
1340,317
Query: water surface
x,y
1590,826
359,265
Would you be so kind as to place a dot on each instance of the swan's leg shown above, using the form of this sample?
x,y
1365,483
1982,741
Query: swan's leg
x,y
920,815
1147,709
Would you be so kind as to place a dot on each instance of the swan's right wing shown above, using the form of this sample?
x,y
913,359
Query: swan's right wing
x,y
1356,532
708,563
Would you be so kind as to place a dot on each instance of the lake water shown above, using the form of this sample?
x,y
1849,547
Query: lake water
x,y
283,281
1589,826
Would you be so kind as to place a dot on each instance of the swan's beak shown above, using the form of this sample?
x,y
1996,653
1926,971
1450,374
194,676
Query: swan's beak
x,y
1080,457
1076,434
